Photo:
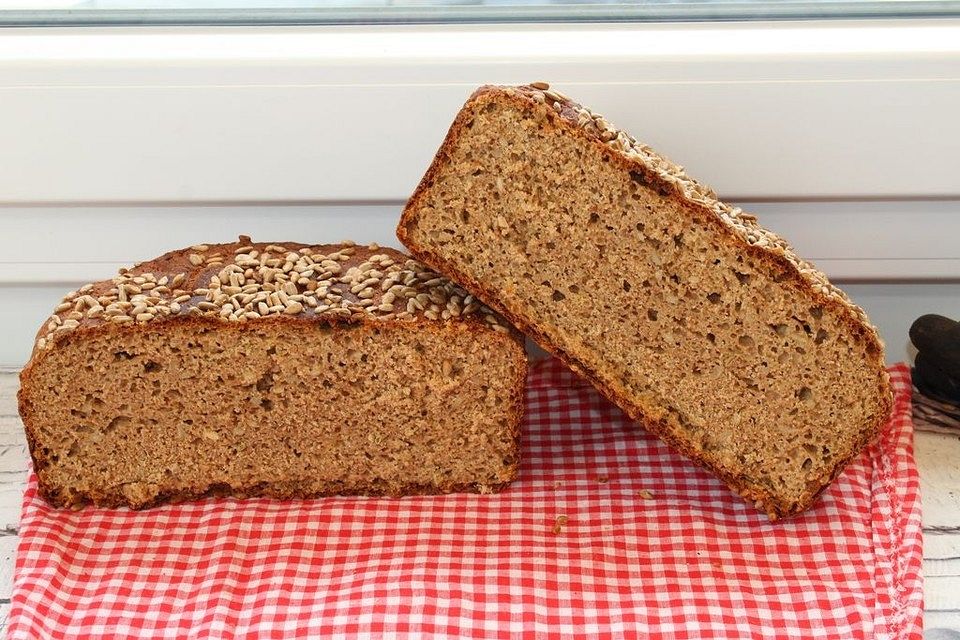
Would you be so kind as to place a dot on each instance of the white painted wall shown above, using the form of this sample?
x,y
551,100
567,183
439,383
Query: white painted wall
x,y
894,307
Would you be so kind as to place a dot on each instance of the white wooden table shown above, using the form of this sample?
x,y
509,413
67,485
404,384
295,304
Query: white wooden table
x,y
938,457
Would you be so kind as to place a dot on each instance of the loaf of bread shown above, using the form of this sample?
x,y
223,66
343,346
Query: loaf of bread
x,y
278,370
704,327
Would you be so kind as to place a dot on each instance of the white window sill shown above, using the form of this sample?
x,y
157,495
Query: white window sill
x,y
760,110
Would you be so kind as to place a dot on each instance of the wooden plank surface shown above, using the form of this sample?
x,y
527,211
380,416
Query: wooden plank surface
x,y
13,458
4,614
8,549
938,457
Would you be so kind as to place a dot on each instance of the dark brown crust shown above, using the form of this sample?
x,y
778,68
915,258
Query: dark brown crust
x,y
178,262
275,491
654,419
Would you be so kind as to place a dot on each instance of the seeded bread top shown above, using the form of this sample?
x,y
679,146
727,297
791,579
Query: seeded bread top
x,y
673,177
246,281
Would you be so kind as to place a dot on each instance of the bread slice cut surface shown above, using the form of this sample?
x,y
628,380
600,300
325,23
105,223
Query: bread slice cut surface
x,y
703,326
284,370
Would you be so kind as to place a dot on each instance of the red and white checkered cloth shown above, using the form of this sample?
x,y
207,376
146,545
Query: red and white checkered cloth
x,y
693,561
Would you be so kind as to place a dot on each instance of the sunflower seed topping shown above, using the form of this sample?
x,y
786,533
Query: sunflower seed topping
x,y
273,280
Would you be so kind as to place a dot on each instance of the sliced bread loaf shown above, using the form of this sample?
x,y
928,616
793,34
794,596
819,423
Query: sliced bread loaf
x,y
703,326
278,370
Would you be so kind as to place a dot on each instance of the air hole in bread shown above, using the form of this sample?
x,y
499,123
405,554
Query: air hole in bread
x,y
118,422
640,179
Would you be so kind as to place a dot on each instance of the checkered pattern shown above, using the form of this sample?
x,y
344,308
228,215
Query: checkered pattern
x,y
693,561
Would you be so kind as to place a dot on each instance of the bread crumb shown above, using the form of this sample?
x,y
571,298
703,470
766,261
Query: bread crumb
x,y
559,524
603,479
646,495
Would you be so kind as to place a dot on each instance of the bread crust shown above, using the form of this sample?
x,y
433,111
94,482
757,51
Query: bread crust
x,y
177,262
730,225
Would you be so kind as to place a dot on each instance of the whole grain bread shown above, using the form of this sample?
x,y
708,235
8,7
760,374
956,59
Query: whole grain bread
x,y
280,370
703,326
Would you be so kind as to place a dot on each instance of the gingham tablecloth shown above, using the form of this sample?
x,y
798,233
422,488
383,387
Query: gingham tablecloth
x,y
650,546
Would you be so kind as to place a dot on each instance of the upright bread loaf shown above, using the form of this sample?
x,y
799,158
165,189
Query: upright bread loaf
x,y
703,326
285,370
